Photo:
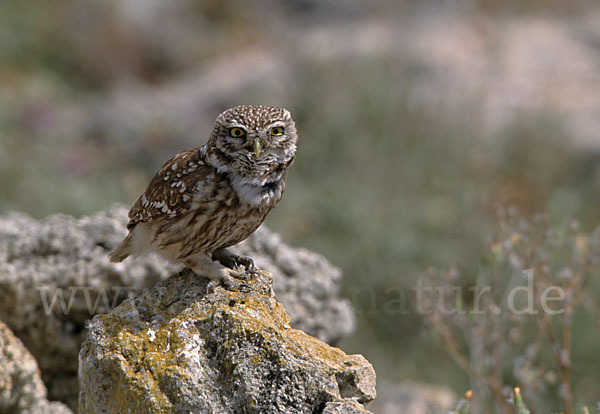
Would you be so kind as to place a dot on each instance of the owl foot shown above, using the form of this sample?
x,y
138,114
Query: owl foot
x,y
220,275
233,261
228,283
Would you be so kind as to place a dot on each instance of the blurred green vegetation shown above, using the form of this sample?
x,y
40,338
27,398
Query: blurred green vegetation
x,y
382,186
388,190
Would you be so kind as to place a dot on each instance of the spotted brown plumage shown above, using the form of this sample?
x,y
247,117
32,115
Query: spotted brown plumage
x,y
208,198
170,190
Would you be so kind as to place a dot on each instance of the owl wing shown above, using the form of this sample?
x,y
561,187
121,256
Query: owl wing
x,y
171,190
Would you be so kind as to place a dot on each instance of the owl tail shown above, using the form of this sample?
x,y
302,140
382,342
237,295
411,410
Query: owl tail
x,y
122,251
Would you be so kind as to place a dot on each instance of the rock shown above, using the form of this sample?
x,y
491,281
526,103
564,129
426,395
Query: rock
x,y
344,408
305,282
21,388
55,275
179,349
51,274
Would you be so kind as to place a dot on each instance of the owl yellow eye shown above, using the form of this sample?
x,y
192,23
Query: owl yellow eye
x,y
237,132
276,131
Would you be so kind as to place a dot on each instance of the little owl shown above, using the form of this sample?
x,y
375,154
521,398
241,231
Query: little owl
x,y
206,199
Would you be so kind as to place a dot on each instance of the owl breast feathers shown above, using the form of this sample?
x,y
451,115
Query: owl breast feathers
x,y
208,198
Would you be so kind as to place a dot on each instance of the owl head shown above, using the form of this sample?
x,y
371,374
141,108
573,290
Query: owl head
x,y
253,141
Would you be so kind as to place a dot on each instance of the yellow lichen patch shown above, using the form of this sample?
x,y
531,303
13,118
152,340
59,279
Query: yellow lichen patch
x,y
256,359
302,344
145,359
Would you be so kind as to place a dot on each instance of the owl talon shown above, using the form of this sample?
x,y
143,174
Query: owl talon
x,y
212,285
229,284
233,261
251,271
242,275
247,262
244,287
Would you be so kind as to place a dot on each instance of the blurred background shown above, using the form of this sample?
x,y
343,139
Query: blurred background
x,y
417,120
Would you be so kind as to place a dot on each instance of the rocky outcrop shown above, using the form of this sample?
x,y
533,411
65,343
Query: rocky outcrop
x,y
21,388
55,275
178,348
51,274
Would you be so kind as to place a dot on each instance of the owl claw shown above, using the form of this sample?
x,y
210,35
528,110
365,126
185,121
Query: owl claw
x,y
229,284
210,287
238,274
251,271
233,261
225,280
247,262
244,287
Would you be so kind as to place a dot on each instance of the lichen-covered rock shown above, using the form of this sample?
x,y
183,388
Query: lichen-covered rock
x,y
21,388
346,407
178,348
55,275
52,273
305,282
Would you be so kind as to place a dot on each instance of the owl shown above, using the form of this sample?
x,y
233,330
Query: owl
x,y
208,198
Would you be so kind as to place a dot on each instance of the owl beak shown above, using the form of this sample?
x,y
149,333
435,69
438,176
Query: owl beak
x,y
257,148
